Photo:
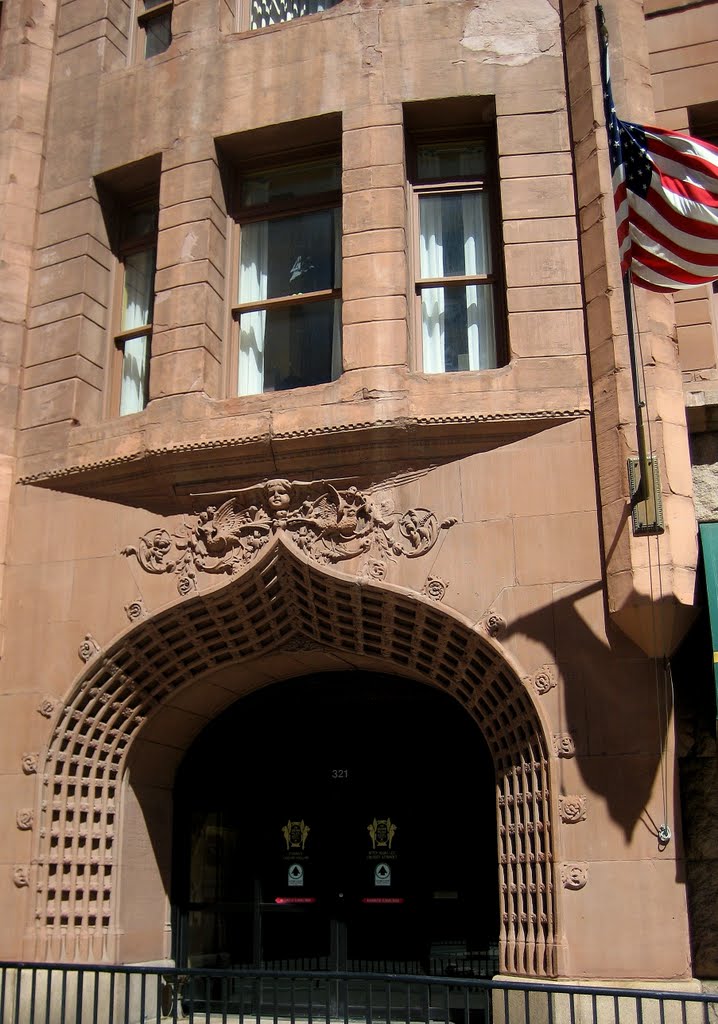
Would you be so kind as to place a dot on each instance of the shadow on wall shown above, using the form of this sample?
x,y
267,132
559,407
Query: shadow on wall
x,y
610,708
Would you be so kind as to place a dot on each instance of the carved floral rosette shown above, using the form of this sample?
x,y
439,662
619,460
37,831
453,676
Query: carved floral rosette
x,y
494,624
135,610
24,819
374,569
435,588
574,876
47,706
544,680
572,809
325,523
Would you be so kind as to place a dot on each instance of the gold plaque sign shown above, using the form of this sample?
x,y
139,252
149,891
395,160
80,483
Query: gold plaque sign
x,y
382,832
295,834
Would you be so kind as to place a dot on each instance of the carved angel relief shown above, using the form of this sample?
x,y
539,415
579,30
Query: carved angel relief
x,y
327,524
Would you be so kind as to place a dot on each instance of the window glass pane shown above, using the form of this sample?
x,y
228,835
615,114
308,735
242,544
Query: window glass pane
x,y
293,182
289,256
271,12
158,34
137,294
289,348
458,328
455,237
451,160
134,387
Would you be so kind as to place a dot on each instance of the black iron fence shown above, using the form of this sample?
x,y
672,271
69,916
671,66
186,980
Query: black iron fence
x,y
71,994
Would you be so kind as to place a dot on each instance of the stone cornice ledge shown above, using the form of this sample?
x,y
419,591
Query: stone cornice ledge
x,y
164,476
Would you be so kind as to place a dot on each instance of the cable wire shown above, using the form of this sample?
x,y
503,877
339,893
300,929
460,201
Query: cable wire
x,y
664,692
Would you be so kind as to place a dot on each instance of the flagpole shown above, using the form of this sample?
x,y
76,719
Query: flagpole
x,y
643,490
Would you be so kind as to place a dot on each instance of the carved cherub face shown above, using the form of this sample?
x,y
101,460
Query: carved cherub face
x,y
279,494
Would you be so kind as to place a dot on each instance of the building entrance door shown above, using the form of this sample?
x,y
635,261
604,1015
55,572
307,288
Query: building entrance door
x,y
350,870
338,822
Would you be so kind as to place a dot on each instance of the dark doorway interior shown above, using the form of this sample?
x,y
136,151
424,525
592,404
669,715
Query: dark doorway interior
x,y
338,821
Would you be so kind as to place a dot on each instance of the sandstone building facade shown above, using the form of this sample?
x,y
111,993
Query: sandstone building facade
x,y
326,635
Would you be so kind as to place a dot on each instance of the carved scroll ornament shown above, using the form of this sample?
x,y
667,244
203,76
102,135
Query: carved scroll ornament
x,y
563,745
88,648
325,523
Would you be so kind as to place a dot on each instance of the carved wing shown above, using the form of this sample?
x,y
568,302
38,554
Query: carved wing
x,y
228,518
323,512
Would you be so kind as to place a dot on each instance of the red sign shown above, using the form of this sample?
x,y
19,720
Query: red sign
x,y
383,899
294,899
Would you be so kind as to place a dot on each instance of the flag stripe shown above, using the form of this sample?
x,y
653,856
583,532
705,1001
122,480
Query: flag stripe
x,y
646,252
689,218
680,162
673,229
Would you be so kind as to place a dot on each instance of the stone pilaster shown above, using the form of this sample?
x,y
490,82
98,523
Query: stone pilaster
x,y
650,583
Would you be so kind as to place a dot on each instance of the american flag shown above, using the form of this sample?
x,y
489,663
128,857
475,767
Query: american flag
x,y
665,190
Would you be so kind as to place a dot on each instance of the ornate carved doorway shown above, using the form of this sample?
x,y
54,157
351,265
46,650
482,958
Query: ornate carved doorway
x,y
339,821
119,732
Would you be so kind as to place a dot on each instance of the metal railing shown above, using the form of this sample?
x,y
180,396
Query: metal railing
x,y
71,994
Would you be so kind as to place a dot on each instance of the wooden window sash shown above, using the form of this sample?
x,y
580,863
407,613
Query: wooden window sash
x,y
438,282
142,20
154,12
282,301
486,185
145,330
120,337
438,188
288,207
275,210
117,361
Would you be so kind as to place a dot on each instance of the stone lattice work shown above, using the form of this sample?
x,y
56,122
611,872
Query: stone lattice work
x,y
281,601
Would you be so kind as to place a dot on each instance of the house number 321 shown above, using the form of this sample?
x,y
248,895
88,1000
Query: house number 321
x,y
340,773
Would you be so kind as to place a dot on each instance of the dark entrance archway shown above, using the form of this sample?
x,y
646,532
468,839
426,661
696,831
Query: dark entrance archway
x,y
339,821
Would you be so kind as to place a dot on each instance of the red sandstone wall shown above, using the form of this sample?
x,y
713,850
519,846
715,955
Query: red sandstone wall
x,y
510,453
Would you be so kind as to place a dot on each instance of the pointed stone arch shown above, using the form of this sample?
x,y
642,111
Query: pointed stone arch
x,y
284,601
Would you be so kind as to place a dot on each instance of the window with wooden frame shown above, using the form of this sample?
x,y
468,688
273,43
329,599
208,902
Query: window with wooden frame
x,y
459,289
154,20
134,301
255,14
288,299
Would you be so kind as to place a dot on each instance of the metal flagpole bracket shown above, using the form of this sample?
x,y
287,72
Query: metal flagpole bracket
x,y
646,501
